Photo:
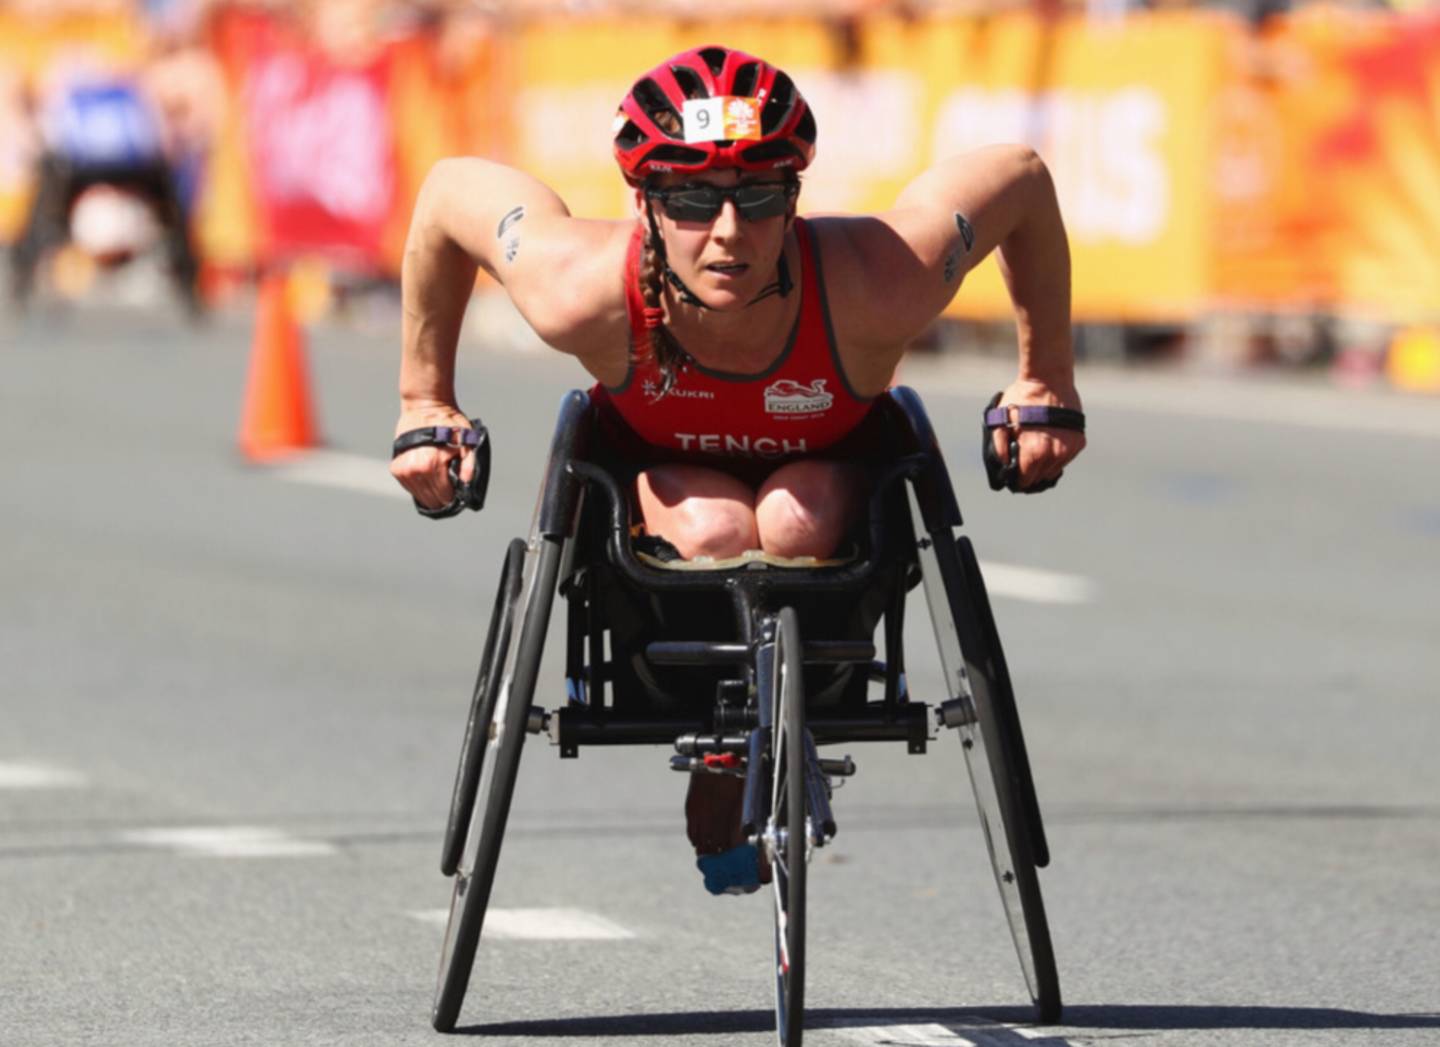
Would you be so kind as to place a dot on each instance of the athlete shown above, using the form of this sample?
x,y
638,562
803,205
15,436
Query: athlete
x,y
734,345
105,184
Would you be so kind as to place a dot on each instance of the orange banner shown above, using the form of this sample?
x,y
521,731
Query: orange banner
x,y
1200,163
1377,162
1122,116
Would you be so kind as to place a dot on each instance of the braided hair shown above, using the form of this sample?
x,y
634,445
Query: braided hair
x,y
669,355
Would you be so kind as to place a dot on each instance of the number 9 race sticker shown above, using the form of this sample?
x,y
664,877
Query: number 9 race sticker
x,y
728,117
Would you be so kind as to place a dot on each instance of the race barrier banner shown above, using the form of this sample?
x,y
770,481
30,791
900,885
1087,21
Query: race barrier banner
x,y
1200,163
1121,115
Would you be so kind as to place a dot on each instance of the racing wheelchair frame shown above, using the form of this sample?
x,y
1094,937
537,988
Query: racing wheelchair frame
x,y
643,639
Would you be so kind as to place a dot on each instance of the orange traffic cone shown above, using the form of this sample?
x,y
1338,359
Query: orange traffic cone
x,y
276,419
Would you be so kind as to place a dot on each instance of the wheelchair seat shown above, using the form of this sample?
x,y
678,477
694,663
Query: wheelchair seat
x,y
640,608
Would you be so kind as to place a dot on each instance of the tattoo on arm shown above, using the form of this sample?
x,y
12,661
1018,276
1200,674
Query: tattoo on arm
x,y
952,260
514,215
967,231
512,218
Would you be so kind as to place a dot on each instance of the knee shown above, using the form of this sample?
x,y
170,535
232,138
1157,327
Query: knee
x,y
714,530
791,528
700,511
804,513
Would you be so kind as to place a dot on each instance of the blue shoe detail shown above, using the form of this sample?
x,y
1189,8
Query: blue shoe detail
x,y
736,871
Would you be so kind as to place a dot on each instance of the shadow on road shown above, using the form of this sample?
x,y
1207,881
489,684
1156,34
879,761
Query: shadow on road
x,y
1097,1016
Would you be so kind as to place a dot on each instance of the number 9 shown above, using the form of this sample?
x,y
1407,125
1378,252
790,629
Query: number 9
x,y
702,117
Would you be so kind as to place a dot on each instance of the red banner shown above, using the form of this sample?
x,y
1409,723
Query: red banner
x,y
322,152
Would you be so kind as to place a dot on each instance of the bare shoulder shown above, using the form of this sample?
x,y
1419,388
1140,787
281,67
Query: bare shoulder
x,y
566,277
563,273
893,273
873,287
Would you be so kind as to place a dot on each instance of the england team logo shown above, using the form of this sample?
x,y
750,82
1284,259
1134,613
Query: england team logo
x,y
787,398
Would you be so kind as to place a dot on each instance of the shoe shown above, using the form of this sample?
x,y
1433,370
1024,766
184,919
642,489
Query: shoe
x,y
656,548
736,871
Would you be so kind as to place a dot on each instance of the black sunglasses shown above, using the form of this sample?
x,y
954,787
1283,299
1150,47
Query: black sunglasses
x,y
701,203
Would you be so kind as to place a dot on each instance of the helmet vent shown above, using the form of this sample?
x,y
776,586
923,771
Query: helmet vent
x,y
778,105
805,129
715,59
630,136
776,149
745,80
689,81
652,99
675,154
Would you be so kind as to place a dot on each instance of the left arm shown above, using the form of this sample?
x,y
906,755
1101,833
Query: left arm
x,y
911,260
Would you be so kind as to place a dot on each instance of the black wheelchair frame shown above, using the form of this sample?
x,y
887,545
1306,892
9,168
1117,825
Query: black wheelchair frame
x,y
767,719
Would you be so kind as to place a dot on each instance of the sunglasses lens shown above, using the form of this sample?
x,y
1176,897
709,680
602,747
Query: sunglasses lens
x,y
700,204
760,201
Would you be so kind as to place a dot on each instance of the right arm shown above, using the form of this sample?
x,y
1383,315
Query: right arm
x,y
472,214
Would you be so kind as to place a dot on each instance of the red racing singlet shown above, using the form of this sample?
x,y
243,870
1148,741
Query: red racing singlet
x,y
799,405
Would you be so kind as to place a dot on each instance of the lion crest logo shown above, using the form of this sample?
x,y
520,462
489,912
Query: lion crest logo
x,y
788,397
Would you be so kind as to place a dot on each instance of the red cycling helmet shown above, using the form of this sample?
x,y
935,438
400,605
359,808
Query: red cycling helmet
x,y
651,138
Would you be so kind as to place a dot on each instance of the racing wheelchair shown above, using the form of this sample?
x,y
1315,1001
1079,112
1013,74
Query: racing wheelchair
x,y
746,667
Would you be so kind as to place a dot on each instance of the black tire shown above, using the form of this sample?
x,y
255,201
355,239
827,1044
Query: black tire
x,y
1005,707
999,773
788,831
482,707
475,874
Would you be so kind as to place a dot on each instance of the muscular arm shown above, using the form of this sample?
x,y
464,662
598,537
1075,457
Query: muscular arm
x,y
1007,198
469,215
563,275
945,223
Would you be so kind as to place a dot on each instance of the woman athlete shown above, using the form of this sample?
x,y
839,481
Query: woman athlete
x,y
733,343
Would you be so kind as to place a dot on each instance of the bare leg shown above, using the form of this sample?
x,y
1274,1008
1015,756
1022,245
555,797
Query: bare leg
x,y
702,512
805,508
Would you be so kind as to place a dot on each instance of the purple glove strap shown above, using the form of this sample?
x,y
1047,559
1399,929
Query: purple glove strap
x,y
1035,414
467,437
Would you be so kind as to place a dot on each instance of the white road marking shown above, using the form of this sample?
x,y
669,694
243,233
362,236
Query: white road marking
x,y
350,472
907,1036
540,924
230,841
1036,585
38,776
976,1032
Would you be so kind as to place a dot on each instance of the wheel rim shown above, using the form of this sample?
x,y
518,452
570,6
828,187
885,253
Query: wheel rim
x,y
505,735
786,834
482,709
1000,795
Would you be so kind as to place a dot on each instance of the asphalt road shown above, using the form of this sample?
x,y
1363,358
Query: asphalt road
x,y
231,700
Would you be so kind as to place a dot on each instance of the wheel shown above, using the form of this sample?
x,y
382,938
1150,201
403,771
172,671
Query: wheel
x,y
482,707
495,779
1005,708
994,756
787,835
